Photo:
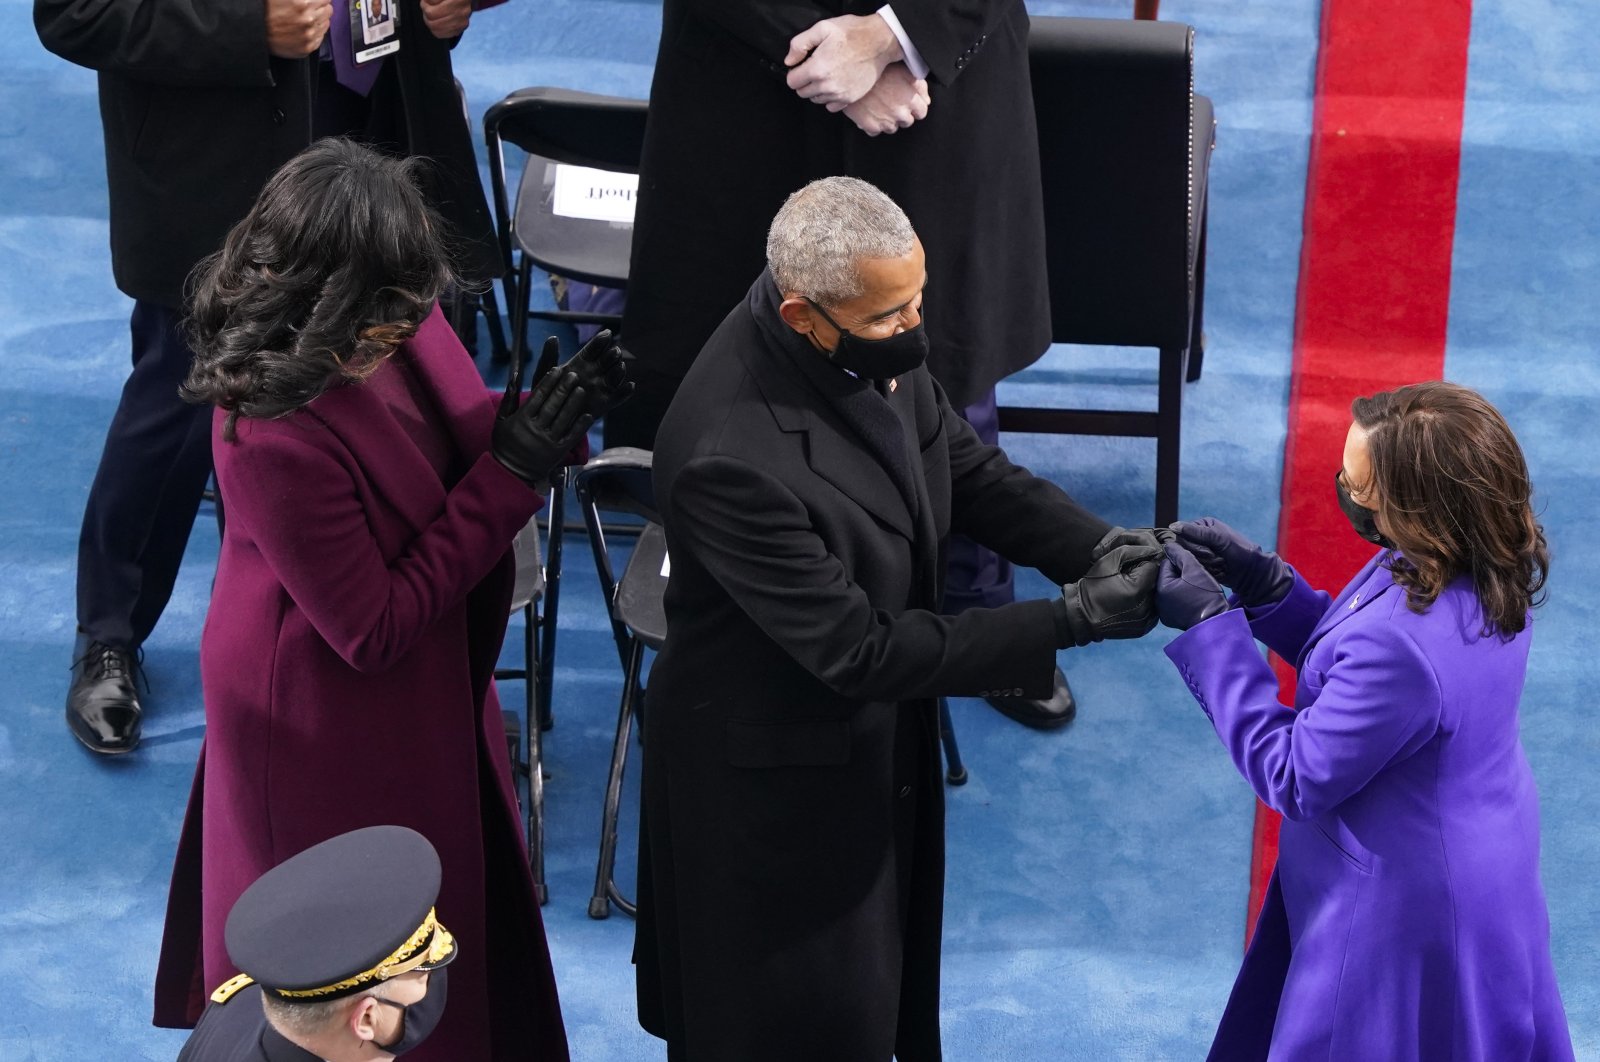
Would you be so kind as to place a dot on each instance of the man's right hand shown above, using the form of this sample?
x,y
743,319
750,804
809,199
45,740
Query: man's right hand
x,y
895,102
295,28
1115,598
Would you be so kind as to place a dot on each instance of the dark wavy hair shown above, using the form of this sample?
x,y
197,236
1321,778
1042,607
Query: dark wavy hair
x,y
1454,494
334,267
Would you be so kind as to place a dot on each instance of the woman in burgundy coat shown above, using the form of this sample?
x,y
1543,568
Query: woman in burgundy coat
x,y
1405,921
372,493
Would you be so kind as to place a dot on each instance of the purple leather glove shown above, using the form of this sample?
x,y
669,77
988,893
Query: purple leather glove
x,y
1258,577
1186,593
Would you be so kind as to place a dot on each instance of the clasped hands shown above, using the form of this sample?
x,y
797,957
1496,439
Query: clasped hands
x,y
295,28
533,437
1174,574
854,64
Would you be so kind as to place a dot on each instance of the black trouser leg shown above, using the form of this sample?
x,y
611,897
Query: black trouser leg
x,y
975,576
152,473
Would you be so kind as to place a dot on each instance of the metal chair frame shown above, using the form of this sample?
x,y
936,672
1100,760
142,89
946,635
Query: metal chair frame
x,y
556,126
537,675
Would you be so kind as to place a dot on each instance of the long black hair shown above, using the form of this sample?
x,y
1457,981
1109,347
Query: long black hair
x,y
334,267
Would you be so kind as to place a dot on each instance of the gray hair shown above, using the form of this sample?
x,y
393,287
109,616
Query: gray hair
x,y
307,1020
825,228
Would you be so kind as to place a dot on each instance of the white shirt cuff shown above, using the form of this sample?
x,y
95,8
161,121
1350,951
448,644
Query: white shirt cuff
x,y
914,63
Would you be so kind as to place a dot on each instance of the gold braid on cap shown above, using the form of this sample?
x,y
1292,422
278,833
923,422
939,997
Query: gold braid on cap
x,y
431,943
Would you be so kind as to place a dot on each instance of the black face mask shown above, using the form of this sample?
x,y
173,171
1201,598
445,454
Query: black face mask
x,y
1364,520
877,359
419,1018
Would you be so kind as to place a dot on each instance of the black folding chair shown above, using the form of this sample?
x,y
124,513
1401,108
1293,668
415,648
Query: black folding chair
x,y
559,127
618,481
1125,150
537,595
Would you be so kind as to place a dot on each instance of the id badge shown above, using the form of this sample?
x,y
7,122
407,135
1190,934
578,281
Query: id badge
x,y
374,28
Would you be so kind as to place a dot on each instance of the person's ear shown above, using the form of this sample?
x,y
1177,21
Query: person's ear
x,y
363,1020
798,315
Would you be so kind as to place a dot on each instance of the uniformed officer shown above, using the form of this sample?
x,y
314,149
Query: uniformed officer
x,y
341,952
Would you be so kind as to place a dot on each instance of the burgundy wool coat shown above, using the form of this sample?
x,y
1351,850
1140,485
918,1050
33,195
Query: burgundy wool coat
x,y
347,666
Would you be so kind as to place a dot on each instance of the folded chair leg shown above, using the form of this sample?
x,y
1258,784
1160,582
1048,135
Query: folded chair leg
x,y
955,772
519,320
605,887
1169,411
535,760
499,351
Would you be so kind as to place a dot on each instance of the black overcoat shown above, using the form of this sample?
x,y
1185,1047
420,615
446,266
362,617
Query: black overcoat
x,y
727,141
237,1031
197,115
792,866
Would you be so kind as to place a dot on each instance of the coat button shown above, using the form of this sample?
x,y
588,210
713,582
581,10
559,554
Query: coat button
x,y
905,791
278,116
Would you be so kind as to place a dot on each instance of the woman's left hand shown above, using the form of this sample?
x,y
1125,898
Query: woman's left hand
x,y
1186,593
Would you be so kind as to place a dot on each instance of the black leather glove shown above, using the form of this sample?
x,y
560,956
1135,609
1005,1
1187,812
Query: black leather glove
x,y
1185,592
1258,577
532,438
1114,599
600,368
1153,537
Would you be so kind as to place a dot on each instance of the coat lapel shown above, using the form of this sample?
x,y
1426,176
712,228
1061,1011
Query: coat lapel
x,y
391,463
465,404
1370,583
804,395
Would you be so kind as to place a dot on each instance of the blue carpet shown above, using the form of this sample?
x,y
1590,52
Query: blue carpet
x,y
1523,325
1097,883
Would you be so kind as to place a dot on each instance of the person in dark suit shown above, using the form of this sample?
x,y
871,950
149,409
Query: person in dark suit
x,y
200,104
808,474
344,956
752,100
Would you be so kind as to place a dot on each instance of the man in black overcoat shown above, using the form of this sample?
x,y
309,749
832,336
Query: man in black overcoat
x,y
751,100
808,474
202,100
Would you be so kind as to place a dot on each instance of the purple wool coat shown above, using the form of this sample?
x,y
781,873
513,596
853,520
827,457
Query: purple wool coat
x,y
1405,920
347,666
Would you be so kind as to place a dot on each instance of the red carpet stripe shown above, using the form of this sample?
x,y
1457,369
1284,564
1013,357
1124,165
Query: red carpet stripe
x,y
1374,289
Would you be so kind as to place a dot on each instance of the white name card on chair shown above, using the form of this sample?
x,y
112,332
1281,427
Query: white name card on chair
x,y
595,195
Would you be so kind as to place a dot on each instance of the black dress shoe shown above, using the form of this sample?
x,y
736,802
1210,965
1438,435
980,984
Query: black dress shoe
x,y
103,703
1056,710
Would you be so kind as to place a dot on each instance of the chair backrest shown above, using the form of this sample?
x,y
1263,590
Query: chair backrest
x,y
568,127
1114,104
578,128
618,480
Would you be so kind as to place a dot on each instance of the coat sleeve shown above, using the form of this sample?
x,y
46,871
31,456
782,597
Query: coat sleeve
x,y
764,26
1025,519
300,506
171,42
946,33
1378,703
755,539
1286,625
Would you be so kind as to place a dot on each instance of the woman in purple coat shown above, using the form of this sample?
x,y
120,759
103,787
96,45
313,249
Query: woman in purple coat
x,y
1405,920
372,493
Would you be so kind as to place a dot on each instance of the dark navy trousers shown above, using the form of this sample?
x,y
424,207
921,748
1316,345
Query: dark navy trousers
x,y
153,470
976,577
